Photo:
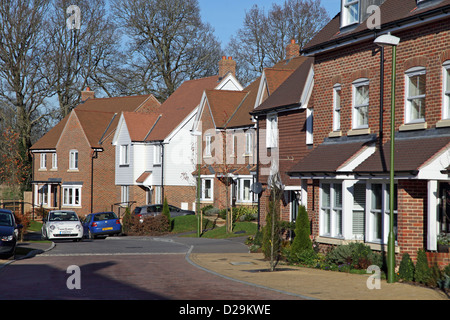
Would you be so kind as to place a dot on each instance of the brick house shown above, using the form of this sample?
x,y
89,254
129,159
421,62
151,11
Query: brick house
x,y
155,152
347,172
284,112
73,163
227,156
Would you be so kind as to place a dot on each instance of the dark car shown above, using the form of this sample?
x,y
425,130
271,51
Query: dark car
x,y
8,233
152,210
101,224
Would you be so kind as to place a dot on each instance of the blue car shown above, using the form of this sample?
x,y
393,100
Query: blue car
x,y
8,233
101,224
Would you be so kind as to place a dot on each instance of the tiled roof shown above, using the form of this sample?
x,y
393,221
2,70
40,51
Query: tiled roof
x,y
393,13
289,91
180,104
223,104
140,124
95,115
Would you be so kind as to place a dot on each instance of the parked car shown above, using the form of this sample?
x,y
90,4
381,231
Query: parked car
x,y
101,224
156,209
8,233
62,224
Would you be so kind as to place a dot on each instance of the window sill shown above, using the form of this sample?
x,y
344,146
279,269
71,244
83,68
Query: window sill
x,y
42,169
443,123
358,132
335,134
413,126
73,170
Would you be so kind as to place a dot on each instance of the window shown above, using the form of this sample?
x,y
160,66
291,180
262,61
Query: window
x,y
243,190
331,209
272,131
207,189
350,12
359,205
337,107
72,196
54,161
249,143
309,126
158,194
446,90
415,95
379,212
43,195
124,155
124,195
157,154
208,140
43,161
361,104
73,160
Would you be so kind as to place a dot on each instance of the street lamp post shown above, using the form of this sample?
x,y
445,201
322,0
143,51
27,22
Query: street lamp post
x,y
389,40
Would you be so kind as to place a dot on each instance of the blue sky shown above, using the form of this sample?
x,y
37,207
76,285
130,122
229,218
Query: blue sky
x,y
226,16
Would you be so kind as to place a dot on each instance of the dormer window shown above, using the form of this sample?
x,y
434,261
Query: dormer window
x,y
350,12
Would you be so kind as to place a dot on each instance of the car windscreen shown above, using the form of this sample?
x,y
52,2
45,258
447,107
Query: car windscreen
x,y
105,216
62,216
6,219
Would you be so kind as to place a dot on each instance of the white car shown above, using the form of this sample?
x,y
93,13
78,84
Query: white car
x,y
62,224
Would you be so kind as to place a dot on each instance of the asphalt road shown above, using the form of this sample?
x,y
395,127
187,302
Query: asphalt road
x,y
126,268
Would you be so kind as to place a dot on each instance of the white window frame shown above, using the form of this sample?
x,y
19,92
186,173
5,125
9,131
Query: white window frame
x,y
445,92
157,154
249,143
43,161
124,195
241,190
363,82
332,214
272,131
378,218
54,160
43,195
346,9
70,194
203,189
158,194
73,160
337,90
124,154
309,126
413,72
361,210
208,142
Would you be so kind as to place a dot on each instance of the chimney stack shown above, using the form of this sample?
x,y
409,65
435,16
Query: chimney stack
x,y
226,66
292,50
87,94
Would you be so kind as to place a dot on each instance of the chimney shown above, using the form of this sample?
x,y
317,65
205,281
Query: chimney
x,y
292,50
227,66
87,94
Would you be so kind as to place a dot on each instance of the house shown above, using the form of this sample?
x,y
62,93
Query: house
x,y
155,153
73,163
348,169
226,133
284,111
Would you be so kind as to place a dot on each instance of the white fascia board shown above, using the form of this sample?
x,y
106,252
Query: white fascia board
x,y
227,79
308,88
357,159
119,127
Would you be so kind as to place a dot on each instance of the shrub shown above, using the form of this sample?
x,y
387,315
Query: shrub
x,y
406,269
24,221
150,226
302,241
357,255
165,209
422,272
127,221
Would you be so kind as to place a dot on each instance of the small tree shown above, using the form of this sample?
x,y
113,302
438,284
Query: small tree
x,y
271,245
422,273
406,269
166,210
302,241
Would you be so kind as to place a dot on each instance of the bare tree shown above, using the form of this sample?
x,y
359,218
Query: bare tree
x,y
261,42
77,57
168,44
22,86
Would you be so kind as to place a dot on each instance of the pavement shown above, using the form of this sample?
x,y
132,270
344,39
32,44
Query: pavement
x,y
307,283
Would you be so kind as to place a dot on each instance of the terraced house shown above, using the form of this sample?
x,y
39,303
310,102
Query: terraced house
x,y
347,172
74,163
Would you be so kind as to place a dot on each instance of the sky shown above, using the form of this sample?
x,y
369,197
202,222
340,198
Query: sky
x,y
226,16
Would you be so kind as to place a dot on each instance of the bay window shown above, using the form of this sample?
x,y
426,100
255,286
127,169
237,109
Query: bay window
x,y
72,196
331,210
